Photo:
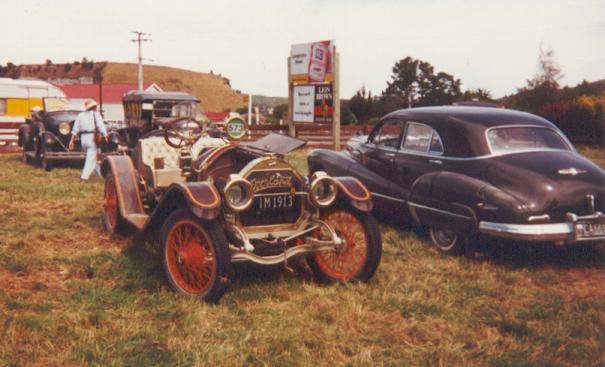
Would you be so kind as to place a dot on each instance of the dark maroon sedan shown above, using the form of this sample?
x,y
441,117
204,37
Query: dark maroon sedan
x,y
471,171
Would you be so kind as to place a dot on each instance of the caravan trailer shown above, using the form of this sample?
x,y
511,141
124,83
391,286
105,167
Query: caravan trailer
x,y
17,98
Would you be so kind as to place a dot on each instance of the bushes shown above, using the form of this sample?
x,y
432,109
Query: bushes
x,y
581,119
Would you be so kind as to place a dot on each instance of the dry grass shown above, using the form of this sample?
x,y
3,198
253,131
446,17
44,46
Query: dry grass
x,y
214,94
72,295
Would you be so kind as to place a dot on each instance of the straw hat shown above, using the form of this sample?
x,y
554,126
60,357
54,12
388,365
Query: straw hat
x,y
89,104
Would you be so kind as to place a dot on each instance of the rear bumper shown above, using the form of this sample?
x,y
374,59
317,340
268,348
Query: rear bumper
x,y
568,232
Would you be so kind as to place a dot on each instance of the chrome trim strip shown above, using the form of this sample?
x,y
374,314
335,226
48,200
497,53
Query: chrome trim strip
x,y
388,197
439,211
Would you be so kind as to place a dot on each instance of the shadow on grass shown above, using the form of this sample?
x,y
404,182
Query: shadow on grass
x,y
519,254
516,254
144,268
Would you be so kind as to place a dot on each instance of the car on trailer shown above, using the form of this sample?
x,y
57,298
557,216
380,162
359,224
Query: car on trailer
x,y
209,203
45,140
471,172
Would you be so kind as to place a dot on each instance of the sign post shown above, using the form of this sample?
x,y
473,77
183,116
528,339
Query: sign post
x,y
313,90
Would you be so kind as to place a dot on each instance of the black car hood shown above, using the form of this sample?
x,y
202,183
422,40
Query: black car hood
x,y
549,182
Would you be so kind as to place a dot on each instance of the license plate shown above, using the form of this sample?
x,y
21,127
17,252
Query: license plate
x,y
590,229
274,201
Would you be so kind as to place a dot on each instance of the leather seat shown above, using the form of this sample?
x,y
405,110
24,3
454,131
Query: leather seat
x,y
158,162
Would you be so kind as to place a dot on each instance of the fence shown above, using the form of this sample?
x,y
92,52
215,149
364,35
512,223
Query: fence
x,y
9,130
317,136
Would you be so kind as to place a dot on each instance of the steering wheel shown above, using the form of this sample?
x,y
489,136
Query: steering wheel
x,y
182,131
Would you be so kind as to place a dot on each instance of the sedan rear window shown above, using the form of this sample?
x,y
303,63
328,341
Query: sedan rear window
x,y
518,138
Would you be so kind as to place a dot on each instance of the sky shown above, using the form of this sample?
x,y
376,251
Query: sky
x,y
487,44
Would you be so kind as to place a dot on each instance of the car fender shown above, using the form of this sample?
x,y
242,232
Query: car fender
x,y
202,198
459,201
126,179
354,192
25,135
333,163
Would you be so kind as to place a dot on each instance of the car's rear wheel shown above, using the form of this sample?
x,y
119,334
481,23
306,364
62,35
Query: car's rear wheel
x,y
196,256
358,257
112,218
448,241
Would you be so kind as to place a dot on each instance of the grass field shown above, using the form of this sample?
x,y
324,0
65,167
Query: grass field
x,y
70,294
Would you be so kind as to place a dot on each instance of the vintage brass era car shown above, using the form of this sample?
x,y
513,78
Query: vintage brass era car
x,y
147,111
467,172
45,141
210,203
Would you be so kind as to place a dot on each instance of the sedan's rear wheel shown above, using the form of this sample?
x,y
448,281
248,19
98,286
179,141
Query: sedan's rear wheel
x,y
196,256
357,258
447,240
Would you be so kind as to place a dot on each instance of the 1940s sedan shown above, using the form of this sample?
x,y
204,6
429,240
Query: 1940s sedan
x,y
209,203
467,172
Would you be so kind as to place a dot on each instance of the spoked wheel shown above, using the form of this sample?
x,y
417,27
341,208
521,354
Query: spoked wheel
x,y
357,258
112,218
447,241
196,256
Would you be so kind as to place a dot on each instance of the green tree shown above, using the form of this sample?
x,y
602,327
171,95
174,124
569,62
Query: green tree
x,y
362,105
415,82
280,111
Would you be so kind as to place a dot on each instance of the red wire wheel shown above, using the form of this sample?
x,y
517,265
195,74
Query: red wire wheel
x,y
355,259
112,218
190,258
196,257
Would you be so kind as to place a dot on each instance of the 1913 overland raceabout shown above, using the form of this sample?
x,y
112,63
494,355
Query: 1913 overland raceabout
x,y
211,203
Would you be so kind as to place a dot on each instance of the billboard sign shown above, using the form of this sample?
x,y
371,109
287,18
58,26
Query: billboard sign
x,y
312,62
313,103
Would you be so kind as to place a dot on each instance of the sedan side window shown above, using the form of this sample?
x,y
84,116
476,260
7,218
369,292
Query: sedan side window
x,y
423,139
436,144
389,135
418,137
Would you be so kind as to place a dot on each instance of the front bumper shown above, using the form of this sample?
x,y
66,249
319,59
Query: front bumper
x,y
568,232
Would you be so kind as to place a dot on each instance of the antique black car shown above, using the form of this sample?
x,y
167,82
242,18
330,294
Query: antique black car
x,y
45,139
146,111
470,171
209,203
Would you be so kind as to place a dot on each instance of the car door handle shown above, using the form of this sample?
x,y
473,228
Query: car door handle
x,y
390,155
435,161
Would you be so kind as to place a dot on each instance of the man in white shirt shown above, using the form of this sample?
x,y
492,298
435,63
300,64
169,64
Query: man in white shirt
x,y
85,125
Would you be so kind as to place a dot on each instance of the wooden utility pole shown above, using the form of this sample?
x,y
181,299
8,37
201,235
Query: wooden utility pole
x,y
139,40
336,103
290,115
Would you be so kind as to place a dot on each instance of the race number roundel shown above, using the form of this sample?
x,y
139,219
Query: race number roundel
x,y
236,128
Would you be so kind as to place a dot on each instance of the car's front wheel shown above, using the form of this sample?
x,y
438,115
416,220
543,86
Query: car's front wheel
x,y
358,257
196,256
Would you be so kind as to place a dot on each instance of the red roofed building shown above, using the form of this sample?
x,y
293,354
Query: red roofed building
x,y
112,96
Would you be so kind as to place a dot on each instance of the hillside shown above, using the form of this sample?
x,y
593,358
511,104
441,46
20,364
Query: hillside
x,y
213,90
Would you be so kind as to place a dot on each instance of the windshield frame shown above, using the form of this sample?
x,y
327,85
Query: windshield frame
x,y
559,134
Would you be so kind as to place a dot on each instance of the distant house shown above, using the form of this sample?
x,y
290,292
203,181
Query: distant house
x,y
112,96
